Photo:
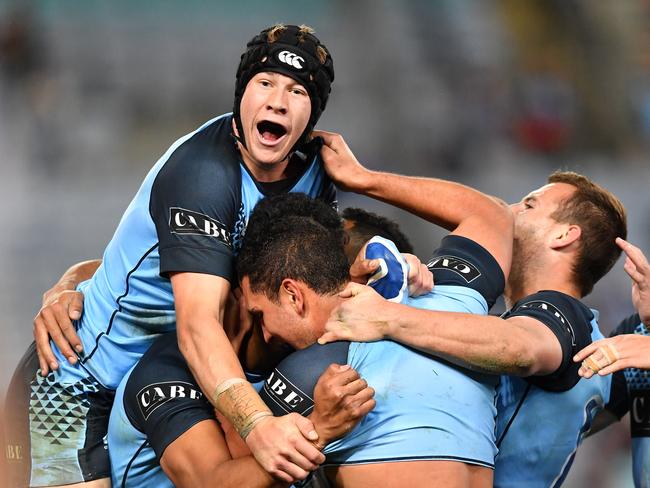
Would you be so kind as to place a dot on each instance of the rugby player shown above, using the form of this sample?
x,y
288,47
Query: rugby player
x,y
433,422
625,355
170,263
564,242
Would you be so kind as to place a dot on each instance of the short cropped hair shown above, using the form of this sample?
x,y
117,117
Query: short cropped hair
x,y
601,218
368,224
300,247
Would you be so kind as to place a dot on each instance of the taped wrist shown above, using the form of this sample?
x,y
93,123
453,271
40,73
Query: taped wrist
x,y
238,401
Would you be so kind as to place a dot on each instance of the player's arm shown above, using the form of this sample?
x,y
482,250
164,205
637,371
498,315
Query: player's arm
x,y
200,301
519,346
61,305
200,458
456,207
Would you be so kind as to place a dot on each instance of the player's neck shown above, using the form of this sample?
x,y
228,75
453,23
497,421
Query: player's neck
x,y
554,277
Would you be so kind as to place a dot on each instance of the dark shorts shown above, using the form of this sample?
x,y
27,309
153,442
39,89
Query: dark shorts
x,y
55,431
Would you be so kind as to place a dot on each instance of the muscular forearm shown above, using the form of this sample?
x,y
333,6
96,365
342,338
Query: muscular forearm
x,y
234,473
483,343
443,202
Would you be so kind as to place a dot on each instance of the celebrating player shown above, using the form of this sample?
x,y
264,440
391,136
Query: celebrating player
x,y
169,266
564,241
432,421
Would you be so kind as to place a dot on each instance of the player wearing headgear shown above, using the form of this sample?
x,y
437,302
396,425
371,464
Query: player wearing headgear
x,y
432,420
169,266
564,242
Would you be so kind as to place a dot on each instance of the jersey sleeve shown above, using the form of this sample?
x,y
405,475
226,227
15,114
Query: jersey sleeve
x,y
460,261
195,200
163,400
290,387
570,321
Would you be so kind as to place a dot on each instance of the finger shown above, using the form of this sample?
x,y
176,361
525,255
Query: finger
x,y
76,306
69,334
42,363
328,137
51,317
587,351
309,454
364,267
330,336
351,290
43,347
353,387
291,471
282,476
362,396
634,253
343,378
617,366
633,272
306,427
367,406
585,372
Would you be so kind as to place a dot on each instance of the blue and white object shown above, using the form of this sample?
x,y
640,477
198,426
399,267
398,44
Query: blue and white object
x,y
391,279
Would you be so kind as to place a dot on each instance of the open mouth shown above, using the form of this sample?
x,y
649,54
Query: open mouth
x,y
270,131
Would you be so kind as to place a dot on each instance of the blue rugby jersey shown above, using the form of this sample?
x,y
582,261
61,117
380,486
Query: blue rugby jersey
x,y
189,215
542,419
631,393
426,409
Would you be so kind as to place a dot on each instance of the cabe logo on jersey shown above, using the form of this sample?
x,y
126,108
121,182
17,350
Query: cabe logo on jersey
x,y
287,395
153,396
467,270
183,221
548,307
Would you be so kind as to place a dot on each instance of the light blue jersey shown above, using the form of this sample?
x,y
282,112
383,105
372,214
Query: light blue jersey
x,y
426,409
542,420
189,215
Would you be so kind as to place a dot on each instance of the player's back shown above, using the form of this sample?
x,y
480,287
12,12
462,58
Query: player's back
x,y
538,431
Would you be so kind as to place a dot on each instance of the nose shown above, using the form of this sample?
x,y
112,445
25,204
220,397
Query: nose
x,y
277,101
515,207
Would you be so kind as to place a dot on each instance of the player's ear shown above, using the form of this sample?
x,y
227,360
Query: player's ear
x,y
292,294
566,236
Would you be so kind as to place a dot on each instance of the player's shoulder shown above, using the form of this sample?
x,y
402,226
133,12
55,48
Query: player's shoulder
x,y
558,311
628,325
209,151
460,261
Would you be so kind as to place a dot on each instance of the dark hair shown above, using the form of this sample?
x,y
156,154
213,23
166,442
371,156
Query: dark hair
x,y
296,246
368,224
601,218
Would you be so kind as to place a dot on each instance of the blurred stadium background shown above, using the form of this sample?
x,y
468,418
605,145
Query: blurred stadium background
x,y
495,94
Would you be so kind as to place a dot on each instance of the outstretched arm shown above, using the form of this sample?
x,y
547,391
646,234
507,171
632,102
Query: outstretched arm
x,y
519,346
458,208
